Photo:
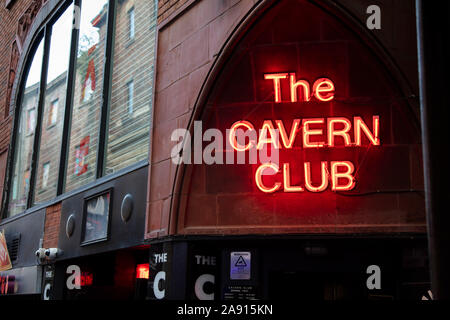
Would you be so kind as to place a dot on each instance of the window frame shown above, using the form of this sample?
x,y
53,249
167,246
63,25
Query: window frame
x,y
107,226
130,97
53,106
44,165
131,24
11,181
43,32
30,130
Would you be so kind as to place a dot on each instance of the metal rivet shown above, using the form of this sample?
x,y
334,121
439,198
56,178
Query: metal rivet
x,y
127,207
70,225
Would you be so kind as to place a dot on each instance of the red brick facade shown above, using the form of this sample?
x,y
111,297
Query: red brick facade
x,y
51,229
187,49
190,37
15,24
3,159
168,7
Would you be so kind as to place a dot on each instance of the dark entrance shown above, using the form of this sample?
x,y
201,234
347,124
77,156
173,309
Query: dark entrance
x,y
116,275
316,286
340,269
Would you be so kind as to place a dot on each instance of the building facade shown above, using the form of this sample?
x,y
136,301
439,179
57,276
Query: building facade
x,y
212,150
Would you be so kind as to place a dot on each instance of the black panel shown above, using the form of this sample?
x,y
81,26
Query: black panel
x,y
291,267
29,229
121,234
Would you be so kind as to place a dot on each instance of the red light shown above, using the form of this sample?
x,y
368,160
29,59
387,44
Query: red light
x,y
361,125
335,175
267,127
86,279
323,89
258,178
142,271
308,183
232,137
302,83
309,132
288,142
287,180
332,131
276,83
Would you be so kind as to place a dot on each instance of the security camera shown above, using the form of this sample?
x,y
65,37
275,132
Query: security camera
x,y
40,253
52,253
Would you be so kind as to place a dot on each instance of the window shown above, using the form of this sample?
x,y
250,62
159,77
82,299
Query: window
x,y
53,113
31,121
130,91
96,217
66,134
131,23
45,174
128,142
87,101
55,95
23,148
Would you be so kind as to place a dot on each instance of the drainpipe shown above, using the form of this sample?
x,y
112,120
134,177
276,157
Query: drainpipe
x,y
433,39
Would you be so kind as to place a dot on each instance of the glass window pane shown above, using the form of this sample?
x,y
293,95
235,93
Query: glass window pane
x,y
132,86
82,157
131,22
18,196
96,219
53,118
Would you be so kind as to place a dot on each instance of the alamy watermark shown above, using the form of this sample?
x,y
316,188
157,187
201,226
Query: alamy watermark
x,y
212,147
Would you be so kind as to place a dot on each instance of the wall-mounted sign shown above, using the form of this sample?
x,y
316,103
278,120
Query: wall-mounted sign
x,y
314,133
237,292
159,271
203,275
240,266
142,271
5,261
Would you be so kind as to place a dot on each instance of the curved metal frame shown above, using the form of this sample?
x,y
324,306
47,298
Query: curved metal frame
x,y
37,28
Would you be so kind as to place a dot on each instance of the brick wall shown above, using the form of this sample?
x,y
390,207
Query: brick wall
x,y
8,26
186,50
167,7
14,25
51,229
3,157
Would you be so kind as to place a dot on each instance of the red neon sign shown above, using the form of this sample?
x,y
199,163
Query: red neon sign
x,y
232,137
288,142
276,77
258,178
327,130
314,133
142,271
86,279
323,88
341,176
